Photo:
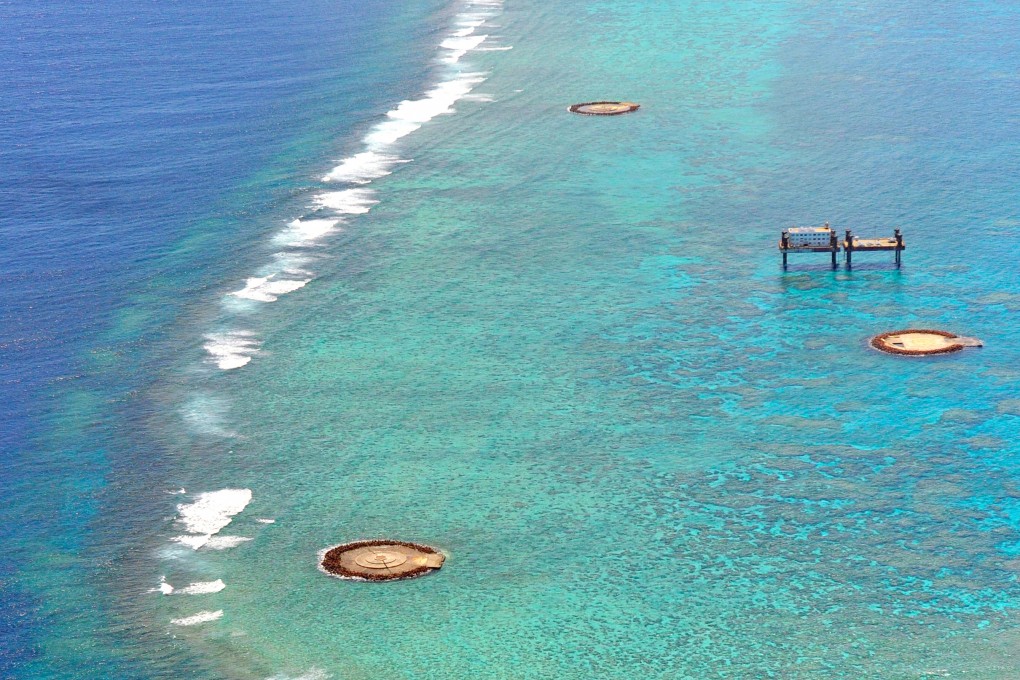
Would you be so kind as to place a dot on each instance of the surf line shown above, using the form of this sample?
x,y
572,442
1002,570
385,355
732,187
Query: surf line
x,y
232,347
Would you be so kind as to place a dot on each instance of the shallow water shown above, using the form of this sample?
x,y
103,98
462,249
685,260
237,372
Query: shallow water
x,y
562,349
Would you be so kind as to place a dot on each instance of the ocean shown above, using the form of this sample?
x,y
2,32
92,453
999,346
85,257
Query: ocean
x,y
279,277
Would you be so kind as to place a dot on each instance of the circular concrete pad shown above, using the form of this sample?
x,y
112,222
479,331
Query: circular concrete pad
x,y
603,108
921,342
381,560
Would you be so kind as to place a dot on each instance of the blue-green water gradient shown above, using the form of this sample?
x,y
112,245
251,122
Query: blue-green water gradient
x,y
563,350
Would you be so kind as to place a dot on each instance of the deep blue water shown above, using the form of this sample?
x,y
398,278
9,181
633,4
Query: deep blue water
x,y
560,348
126,128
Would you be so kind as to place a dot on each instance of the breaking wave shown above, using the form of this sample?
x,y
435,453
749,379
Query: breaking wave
x,y
377,158
200,617
208,514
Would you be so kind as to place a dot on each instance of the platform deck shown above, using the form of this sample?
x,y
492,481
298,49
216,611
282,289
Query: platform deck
x,y
866,244
808,249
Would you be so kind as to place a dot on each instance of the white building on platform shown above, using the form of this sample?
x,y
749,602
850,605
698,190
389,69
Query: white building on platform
x,y
812,237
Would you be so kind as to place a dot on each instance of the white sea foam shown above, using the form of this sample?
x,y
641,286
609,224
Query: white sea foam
x,y
390,131
208,514
363,167
192,541
202,587
200,617
197,588
468,28
411,114
291,263
471,20
263,520
213,510
232,349
459,45
305,232
268,288
348,201
378,158
310,674
224,542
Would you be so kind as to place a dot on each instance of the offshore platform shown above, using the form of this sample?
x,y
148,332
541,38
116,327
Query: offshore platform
x,y
823,239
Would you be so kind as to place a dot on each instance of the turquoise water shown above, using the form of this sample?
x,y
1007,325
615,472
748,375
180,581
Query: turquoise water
x,y
562,349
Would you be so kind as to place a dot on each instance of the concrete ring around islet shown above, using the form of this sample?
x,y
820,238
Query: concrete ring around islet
x,y
604,108
921,342
380,560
